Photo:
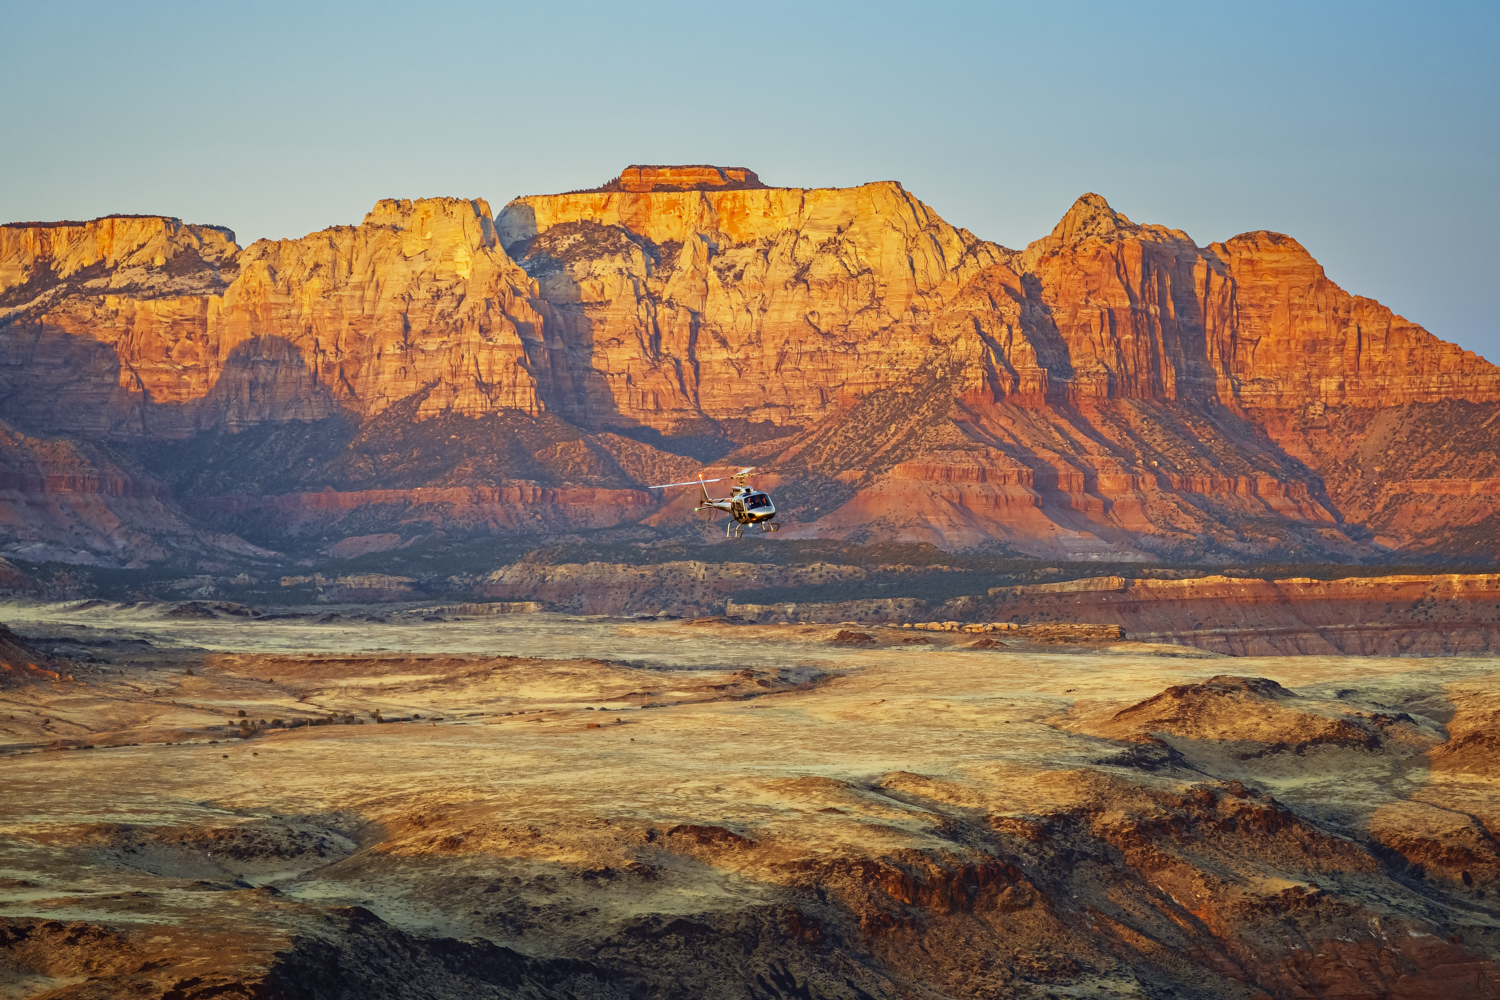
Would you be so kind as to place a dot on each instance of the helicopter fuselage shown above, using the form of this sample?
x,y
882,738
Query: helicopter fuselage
x,y
745,506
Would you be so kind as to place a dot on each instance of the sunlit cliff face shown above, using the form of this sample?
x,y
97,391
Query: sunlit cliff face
x,y
1111,390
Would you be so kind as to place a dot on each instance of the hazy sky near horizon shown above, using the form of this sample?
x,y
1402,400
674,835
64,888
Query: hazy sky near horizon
x,y
1369,131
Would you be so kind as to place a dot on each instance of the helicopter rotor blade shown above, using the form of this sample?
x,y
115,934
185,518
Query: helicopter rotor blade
x,y
690,482
717,479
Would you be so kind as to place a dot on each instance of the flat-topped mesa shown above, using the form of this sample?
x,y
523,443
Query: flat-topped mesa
x,y
418,298
730,302
640,178
36,256
730,212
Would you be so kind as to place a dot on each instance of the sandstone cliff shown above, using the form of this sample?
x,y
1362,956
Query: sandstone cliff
x,y
1106,391
765,305
1112,390
1142,311
417,298
141,255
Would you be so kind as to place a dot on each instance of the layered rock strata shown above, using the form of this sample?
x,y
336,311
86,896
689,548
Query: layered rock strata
x,y
418,298
62,501
1405,614
1114,390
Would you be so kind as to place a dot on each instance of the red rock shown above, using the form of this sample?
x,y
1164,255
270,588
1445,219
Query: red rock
x,y
1114,390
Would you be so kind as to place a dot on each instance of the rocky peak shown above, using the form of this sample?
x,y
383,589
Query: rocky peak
x,y
1090,217
1265,244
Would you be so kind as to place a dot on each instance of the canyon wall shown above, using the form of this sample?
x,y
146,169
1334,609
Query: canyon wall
x,y
416,298
1398,615
66,501
1112,391
770,305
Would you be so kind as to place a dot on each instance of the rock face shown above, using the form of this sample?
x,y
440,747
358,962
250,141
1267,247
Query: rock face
x,y
686,178
1143,312
43,262
1397,615
353,318
1112,391
768,305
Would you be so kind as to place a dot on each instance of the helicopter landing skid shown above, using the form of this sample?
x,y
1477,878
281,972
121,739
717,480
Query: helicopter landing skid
x,y
734,529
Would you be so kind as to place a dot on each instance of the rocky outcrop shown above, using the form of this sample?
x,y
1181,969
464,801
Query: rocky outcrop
x,y
1300,339
42,263
1424,477
418,298
1141,311
682,178
679,587
764,305
1408,614
1111,386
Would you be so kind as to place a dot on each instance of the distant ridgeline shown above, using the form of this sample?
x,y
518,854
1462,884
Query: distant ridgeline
x,y
1111,392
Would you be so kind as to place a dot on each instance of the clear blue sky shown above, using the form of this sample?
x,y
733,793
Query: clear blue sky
x,y
1369,131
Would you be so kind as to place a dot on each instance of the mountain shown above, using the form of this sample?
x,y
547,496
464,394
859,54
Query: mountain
x,y
1113,391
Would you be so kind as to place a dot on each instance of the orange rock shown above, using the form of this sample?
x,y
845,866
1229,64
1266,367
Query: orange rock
x,y
1112,390
418,298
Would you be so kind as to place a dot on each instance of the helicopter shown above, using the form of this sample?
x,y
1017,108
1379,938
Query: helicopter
x,y
745,505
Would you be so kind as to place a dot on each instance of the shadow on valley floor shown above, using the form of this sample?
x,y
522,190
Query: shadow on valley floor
x,y
962,823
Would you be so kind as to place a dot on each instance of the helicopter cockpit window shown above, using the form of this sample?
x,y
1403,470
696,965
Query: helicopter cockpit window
x,y
757,500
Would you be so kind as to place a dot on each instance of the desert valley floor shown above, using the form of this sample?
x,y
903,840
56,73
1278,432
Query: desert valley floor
x,y
397,803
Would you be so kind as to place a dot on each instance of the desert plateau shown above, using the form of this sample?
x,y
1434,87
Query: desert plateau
x,y
415,801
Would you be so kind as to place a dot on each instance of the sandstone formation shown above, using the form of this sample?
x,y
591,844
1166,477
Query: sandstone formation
x,y
660,178
1377,615
417,298
42,263
1112,391
1394,615
767,306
